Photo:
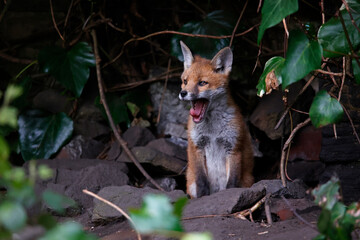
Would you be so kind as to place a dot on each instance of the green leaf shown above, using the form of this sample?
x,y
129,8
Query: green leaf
x,y
4,155
325,110
8,116
197,236
273,64
45,172
12,92
324,221
57,202
303,56
70,68
179,206
332,36
22,192
117,106
155,215
356,70
12,215
42,135
217,23
327,194
68,231
273,11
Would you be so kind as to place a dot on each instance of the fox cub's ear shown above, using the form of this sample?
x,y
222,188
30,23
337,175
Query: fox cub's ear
x,y
222,61
188,57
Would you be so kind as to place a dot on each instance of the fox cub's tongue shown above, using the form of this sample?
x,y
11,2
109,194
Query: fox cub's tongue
x,y
198,109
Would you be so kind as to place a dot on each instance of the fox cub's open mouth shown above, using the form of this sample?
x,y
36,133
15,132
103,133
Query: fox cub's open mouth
x,y
198,109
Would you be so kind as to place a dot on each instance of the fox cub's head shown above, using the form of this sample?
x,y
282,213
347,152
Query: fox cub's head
x,y
204,80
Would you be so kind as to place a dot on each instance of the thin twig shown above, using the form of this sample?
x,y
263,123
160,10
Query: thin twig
x,y
285,27
342,79
113,206
288,141
197,7
112,25
122,142
268,212
348,39
237,23
351,123
335,132
301,92
68,13
54,21
332,77
329,73
298,216
322,12
164,90
289,148
350,14
14,59
259,6
178,33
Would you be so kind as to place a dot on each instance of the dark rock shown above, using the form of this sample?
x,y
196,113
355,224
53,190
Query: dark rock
x,y
279,207
227,201
169,148
306,144
348,175
80,147
138,136
167,183
89,122
29,233
55,101
72,176
176,130
295,189
343,149
114,152
125,197
308,171
155,158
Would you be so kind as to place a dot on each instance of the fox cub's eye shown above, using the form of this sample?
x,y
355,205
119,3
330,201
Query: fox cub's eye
x,y
185,81
202,83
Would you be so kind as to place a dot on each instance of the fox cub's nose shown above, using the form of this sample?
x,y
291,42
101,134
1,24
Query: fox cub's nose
x,y
183,94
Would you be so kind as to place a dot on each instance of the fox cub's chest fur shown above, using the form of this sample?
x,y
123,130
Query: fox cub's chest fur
x,y
219,149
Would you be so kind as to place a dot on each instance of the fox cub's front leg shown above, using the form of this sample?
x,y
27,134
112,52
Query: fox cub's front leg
x,y
197,184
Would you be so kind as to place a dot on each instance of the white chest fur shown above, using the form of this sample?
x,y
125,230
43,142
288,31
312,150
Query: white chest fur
x,y
216,138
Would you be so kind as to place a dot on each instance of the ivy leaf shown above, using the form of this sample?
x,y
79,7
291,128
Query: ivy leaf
x,y
155,215
42,135
275,65
57,202
303,56
68,231
332,36
356,70
327,194
70,68
12,215
217,23
273,11
325,110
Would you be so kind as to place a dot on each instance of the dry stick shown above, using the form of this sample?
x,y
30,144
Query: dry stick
x,y
332,78
237,23
174,32
348,40
342,79
122,143
329,73
288,141
285,27
113,206
259,6
68,13
301,92
322,12
298,216
268,212
351,16
53,19
240,214
112,25
163,93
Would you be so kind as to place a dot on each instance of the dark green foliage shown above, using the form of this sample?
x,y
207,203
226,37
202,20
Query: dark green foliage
x,y
273,11
70,68
68,231
302,57
325,110
273,64
42,135
336,220
217,23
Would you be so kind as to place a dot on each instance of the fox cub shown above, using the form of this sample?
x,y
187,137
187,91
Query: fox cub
x,y
219,146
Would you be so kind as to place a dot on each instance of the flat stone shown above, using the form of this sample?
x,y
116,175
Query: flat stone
x,y
295,189
125,197
165,146
137,136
